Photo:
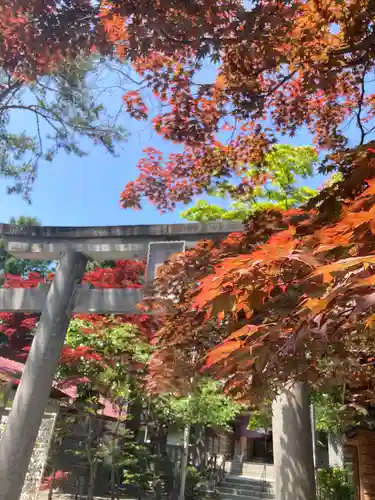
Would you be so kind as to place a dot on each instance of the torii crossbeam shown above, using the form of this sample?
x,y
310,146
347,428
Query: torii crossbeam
x,y
72,246
156,243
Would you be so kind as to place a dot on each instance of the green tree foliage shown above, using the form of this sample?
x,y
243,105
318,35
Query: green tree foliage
x,y
331,415
261,418
334,484
110,354
134,460
194,480
284,166
65,109
21,267
207,405
113,356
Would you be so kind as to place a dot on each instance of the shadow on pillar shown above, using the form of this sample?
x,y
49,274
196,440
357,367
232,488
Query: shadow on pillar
x,y
236,468
293,454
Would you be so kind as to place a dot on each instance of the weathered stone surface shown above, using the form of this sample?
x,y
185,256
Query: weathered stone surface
x,y
336,450
30,401
292,444
99,301
106,243
152,232
40,452
62,496
160,252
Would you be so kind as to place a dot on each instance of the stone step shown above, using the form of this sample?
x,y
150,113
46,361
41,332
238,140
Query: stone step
x,y
261,485
244,492
43,495
257,477
252,464
226,489
242,481
247,465
251,496
266,472
239,471
241,488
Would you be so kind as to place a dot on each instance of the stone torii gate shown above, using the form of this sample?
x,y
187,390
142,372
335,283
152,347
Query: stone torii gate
x,y
71,247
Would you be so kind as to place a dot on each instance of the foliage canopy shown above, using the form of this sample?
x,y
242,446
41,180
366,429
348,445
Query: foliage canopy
x,y
294,293
283,166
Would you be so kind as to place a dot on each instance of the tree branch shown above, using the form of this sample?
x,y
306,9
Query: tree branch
x,y
363,45
31,108
11,86
360,104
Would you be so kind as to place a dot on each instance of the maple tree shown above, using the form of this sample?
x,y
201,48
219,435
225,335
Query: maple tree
x,y
271,309
104,357
110,353
290,297
38,35
280,66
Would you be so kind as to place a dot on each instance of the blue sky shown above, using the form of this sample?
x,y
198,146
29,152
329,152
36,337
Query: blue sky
x,y
74,191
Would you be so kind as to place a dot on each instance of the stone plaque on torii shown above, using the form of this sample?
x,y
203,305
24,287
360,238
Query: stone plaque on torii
x,y
71,247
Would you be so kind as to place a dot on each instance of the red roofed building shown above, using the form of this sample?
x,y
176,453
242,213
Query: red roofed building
x,y
62,402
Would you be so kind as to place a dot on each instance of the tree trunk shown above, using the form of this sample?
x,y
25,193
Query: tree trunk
x,y
200,447
32,395
91,487
91,458
184,461
134,421
113,480
313,435
158,464
122,416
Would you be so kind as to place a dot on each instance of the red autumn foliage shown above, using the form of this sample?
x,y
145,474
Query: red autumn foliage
x,y
19,327
291,297
55,479
135,105
280,66
37,36
69,356
126,274
266,300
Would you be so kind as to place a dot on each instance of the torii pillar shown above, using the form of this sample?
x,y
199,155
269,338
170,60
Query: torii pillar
x,y
292,444
31,398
